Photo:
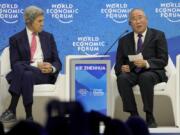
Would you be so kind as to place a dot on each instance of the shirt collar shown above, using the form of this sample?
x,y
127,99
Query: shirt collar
x,y
143,34
29,32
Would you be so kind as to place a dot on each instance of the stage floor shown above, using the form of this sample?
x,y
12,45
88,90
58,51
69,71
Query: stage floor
x,y
165,131
158,130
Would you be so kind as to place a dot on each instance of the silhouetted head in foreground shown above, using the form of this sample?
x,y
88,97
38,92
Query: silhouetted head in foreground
x,y
138,126
27,128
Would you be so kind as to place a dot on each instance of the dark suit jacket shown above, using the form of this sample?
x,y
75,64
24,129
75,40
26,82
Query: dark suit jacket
x,y
154,51
20,51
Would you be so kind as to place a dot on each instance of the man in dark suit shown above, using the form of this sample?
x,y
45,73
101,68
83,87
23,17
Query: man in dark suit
x,y
145,72
34,60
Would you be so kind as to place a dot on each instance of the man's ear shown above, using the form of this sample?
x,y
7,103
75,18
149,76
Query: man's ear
x,y
129,22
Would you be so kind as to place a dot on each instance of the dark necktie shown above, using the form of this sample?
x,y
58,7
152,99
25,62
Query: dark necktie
x,y
139,43
139,49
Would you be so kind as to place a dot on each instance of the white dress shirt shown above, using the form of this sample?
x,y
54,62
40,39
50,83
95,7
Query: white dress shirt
x,y
38,55
136,40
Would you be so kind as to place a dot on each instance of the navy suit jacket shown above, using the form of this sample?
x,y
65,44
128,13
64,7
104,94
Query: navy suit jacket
x,y
154,51
20,51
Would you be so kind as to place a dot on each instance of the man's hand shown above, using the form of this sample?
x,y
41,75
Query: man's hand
x,y
125,68
140,63
45,67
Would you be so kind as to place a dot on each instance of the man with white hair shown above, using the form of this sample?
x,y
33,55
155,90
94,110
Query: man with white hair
x,y
34,60
145,72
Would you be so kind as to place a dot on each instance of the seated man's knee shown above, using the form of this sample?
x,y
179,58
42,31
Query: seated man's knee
x,y
27,74
144,77
123,77
17,66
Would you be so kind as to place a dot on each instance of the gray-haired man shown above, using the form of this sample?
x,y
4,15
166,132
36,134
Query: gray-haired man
x,y
34,60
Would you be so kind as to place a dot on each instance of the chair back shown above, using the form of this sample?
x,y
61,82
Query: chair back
x,y
5,62
170,68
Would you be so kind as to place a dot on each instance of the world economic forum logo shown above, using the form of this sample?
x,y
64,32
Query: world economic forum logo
x,y
64,13
9,13
170,11
116,12
83,92
89,45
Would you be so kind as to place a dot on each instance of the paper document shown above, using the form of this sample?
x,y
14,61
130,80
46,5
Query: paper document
x,y
135,57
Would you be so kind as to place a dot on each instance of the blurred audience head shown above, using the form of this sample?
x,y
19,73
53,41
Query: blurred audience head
x,y
65,118
117,127
138,126
27,128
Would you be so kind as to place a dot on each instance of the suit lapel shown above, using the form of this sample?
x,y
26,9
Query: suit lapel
x,y
43,44
25,44
147,38
132,49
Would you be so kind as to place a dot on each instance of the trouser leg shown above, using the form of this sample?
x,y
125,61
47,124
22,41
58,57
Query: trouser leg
x,y
146,81
16,79
27,87
23,79
125,82
14,102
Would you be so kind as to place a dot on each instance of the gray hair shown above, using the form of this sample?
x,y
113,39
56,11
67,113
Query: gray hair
x,y
130,13
30,14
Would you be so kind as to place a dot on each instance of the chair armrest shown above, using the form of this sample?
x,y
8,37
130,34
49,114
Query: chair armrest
x,y
5,62
178,88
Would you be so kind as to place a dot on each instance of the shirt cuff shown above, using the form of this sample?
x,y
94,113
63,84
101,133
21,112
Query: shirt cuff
x,y
53,69
34,64
147,65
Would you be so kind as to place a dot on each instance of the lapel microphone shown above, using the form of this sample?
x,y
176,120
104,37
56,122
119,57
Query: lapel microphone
x,y
122,34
